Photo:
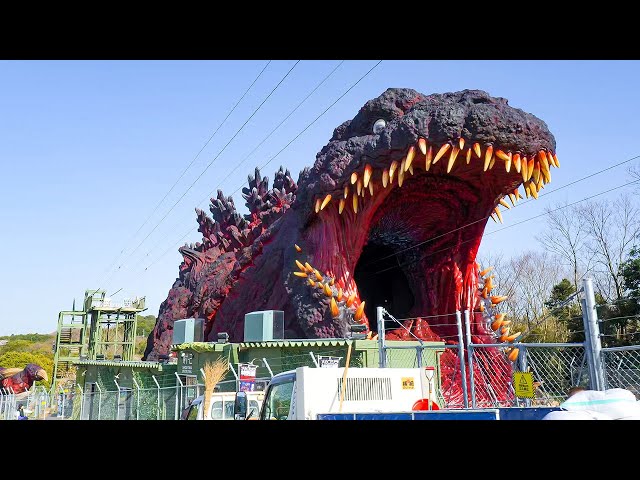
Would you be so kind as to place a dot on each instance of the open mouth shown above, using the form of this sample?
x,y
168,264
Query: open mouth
x,y
403,233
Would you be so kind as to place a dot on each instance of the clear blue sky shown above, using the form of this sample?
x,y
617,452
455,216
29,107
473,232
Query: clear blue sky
x,y
89,148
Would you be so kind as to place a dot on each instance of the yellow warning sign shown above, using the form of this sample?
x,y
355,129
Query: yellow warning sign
x,y
408,383
523,384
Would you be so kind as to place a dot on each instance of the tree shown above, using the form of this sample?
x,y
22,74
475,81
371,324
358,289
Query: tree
x,y
566,236
526,280
144,325
568,313
612,228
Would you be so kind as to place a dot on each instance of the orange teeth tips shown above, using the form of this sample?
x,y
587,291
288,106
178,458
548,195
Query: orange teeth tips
x,y
298,249
339,296
392,170
409,158
351,299
326,200
354,178
311,282
441,152
493,160
504,203
477,150
507,159
318,275
500,316
452,158
512,337
385,178
494,218
534,190
536,172
555,159
359,312
488,155
355,203
346,191
496,299
301,266
367,175
411,170
461,143
341,206
530,165
401,174
327,290
517,163
485,271
513,354
359,186
308,267
371,188
496,324
513,199
335,311
525,170
429,159
468,156
300,274
498,214
317,208
422,145
516,192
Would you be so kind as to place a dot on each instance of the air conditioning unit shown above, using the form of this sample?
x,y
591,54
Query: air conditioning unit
x,y
188,330
264,326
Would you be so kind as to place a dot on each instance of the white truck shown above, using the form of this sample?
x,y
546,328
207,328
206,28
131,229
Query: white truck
x,y
305,393
226,406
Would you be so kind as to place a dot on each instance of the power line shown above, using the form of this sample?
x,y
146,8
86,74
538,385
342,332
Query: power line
x,y
500,229
272,158
188,166
254,150
212,161
515,206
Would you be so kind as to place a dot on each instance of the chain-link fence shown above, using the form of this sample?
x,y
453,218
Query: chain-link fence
x,y
622,368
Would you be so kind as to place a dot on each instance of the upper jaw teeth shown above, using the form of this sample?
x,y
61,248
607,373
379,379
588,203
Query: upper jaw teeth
x,y
534,169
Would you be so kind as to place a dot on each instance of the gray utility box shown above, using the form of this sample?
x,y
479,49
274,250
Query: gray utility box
x,y
264,326
188,330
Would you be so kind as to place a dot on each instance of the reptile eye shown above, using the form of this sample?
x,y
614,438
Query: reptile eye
x,y
379,126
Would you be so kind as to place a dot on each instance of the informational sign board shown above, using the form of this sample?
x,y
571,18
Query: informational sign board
x,y
328,362
247,381
523,384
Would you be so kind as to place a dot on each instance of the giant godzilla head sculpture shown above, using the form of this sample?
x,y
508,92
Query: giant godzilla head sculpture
x,y
391,214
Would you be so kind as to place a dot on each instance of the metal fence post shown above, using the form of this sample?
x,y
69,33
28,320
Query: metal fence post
x,y
592,336
99,398
315,362
524,367
61,406
117,400
266,364
381,346
463,370
469,344
81,401
419,356
177,409
137,397
158,405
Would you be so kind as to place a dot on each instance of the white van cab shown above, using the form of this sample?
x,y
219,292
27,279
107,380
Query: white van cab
x,y
226,406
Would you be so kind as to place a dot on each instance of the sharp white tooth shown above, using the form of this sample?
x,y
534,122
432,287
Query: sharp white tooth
x,y
441,152
367,175
401,173
385,178
409,158
429,158
468,156
354,177
371,188
392,170
422,145
461,143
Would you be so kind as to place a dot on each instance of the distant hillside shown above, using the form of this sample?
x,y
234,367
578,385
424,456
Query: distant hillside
x,y
19,350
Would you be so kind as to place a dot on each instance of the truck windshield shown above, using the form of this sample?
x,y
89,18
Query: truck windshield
x,y
278,401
